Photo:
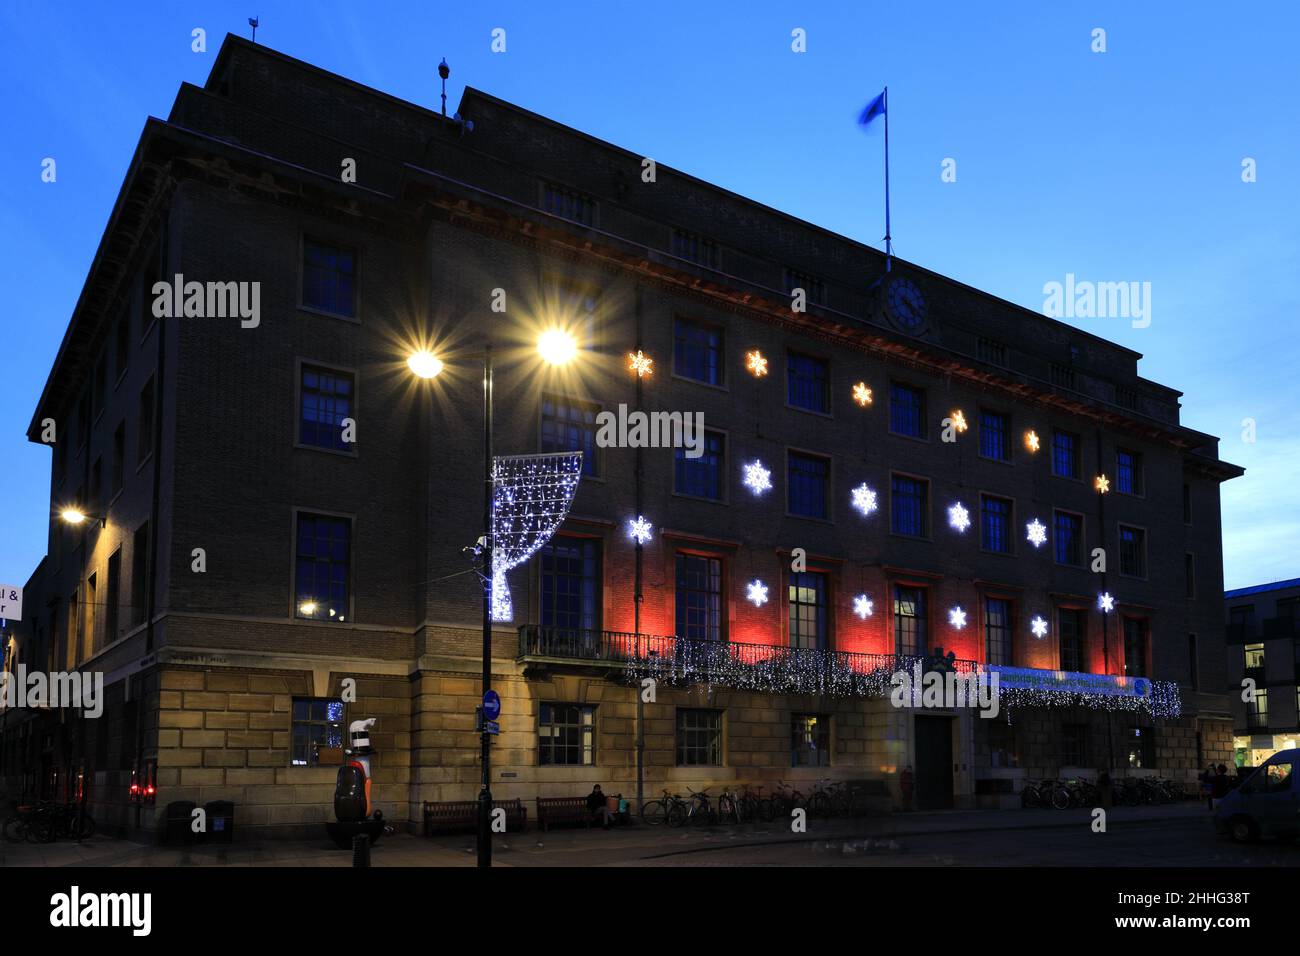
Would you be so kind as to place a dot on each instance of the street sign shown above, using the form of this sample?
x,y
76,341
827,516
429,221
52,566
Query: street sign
x,y
491,705
11,602
492,727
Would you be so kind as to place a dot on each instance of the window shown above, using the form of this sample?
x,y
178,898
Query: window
x,y
1065,454
808,383
1074,745
92,605
1241,622
810,740
1136,634
1187,504
317,724
329,278
1142,748
997,630
1071,629
697,352
1128,472
1277,778
144,440
814,289
1069,538
122,334
1257,710
906,410
140,574
571,585
808,616
1126,397
1193,664
702,477
1189,573
566,735
324,562
1062,376
993,352
995,429
699,738
1132,551
694,248
326,399
112,598
119,458
908,506
995,524
909,620
808,477
568,204
1254,657
569,425
699,597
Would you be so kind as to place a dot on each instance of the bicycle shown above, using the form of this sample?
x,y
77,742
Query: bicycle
x,y
786,799
755,806
729,807
698,811
655,812
820,803
33,823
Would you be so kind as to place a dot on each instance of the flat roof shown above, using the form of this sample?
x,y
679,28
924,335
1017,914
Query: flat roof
x,y
1262,588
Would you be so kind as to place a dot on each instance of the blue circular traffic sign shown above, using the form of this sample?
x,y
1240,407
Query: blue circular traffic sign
x,y
491,705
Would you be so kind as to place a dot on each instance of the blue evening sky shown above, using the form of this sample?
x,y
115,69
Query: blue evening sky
x,y
1123,165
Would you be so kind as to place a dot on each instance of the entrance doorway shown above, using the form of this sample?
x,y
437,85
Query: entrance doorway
x,y
933,763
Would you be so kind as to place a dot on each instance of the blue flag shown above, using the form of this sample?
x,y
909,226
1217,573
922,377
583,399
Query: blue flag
x,y
875,108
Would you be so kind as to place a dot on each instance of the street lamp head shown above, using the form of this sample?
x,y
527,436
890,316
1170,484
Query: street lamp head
x,y
557,347
424,364
73,515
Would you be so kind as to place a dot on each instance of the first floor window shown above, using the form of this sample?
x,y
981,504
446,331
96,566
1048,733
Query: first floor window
x,y
566,735
808,613
810,741
699,597
571,584
1070,628
317,725
909,620
324,559
699,738
1135,646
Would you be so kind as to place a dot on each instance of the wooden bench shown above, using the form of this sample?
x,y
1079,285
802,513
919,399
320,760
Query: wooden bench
x,y
553,811
454,816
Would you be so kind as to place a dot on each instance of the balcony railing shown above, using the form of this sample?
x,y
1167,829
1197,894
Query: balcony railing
x,y
761,667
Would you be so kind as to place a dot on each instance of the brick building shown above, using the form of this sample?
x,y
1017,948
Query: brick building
x,y
290,559
1264,645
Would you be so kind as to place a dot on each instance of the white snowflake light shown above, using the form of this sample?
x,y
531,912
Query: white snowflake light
x,y
958,517
957,618
1038,626
757,478
757,593
639,530
1036,531
1105,602
862,606
864,499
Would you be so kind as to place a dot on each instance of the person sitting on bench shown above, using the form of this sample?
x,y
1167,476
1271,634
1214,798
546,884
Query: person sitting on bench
x,y
598,807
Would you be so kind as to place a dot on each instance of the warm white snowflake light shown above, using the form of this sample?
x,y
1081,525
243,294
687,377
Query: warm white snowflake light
x,y
864,499
1031,440
1105,602
862,394
1102,484
1038,626
862,606
755,362
958,517
757,593
757,478
640,363
957,617
639,530
958,420
1036,532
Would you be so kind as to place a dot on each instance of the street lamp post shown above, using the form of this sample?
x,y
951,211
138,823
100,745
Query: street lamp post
x,y
485,742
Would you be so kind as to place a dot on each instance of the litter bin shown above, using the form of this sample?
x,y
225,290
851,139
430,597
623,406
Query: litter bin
x,y
177,823
221,821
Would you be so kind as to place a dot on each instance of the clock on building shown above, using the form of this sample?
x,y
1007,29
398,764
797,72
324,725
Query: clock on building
x,y
904,304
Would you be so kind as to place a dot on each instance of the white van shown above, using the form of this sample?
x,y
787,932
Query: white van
x,y
1266,804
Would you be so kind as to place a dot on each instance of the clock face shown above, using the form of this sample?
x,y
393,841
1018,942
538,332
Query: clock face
x,y
905,304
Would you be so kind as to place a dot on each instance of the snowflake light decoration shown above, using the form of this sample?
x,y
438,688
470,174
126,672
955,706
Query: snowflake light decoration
x,y
1105,602
862,394
1036,532
755,362
757,478
958,517
862,606
639,530
1102,484
1031,440
864,499
958,420
957,617
1038,626
757,593
640,363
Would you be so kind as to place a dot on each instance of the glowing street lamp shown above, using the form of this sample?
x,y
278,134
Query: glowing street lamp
x,y
557,347
75,516
424,364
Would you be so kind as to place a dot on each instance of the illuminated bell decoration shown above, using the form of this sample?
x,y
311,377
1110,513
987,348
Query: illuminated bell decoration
x,y
862,394
1105,602
1102,484
1036,532
757,593
755,362
864,499
1031,440
757,478
957,617
1038,626
639,530
640,363
531,495
958,517
862,606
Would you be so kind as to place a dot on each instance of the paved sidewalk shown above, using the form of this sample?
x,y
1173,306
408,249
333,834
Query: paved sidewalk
x,y
621,846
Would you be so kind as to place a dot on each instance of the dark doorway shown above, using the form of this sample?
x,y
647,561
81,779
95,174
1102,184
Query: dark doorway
x,y
933,763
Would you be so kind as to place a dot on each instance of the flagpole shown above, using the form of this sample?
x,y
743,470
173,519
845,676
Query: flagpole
x,y
889,244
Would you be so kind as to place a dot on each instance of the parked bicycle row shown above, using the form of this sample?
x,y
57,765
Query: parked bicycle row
x,y
751,805
1081,792
47,821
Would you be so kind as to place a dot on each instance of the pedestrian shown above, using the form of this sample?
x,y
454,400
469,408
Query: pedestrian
x,y
1207,787
905,784
598,806
1220,787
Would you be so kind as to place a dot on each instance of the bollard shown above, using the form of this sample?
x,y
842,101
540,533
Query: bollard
x,y
361,850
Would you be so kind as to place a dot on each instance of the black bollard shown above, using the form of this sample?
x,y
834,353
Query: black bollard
x,y
361,850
